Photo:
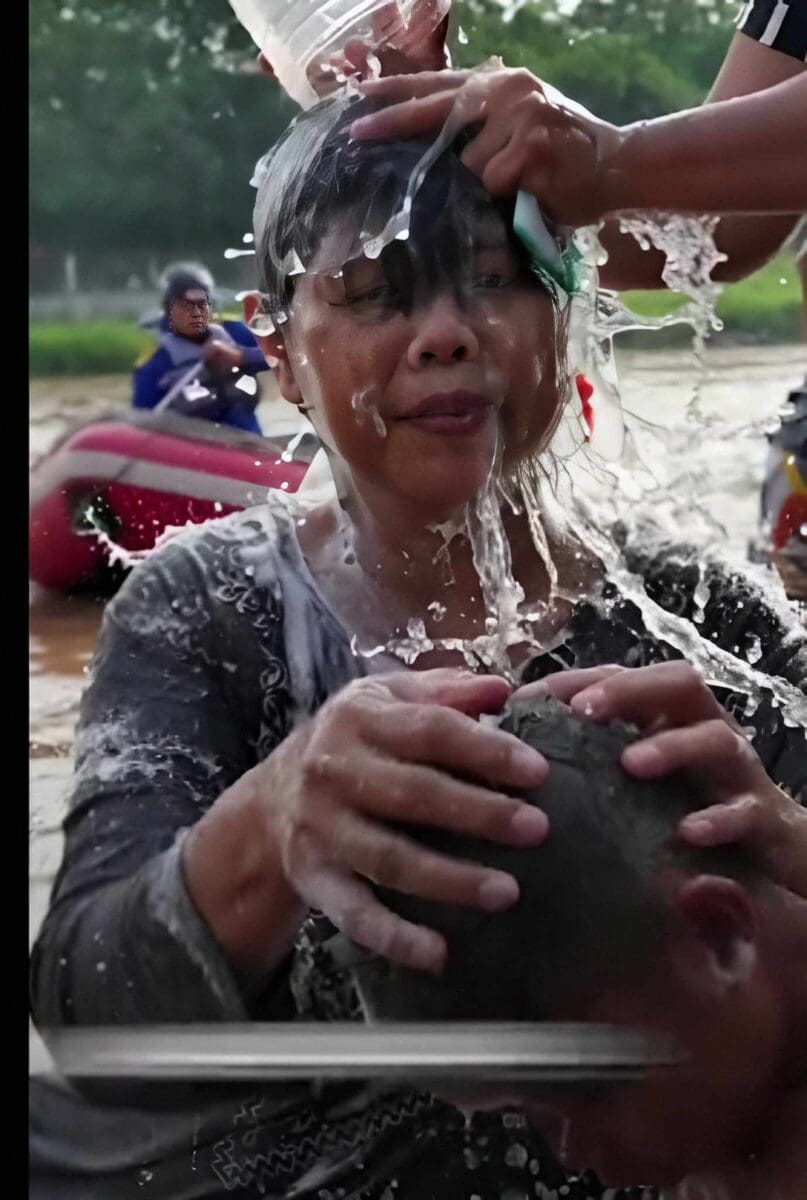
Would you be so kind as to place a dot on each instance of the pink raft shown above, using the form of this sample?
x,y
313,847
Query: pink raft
x,y
138,475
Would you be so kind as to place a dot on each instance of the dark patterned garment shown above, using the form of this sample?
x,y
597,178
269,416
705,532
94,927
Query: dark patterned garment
x,y
212,652
780,24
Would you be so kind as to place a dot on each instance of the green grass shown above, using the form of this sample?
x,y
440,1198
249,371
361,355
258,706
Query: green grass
x,y
85,347
766,307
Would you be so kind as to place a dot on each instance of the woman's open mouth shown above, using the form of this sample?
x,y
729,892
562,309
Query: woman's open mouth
x,y
451,412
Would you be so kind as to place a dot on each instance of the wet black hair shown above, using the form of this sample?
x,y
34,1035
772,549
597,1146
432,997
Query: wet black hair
x,y
591,911
315,176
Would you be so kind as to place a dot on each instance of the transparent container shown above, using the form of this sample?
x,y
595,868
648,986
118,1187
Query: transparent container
x,y
304,40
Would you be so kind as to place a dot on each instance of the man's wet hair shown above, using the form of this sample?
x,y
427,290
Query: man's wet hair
x,y
592,911
315,179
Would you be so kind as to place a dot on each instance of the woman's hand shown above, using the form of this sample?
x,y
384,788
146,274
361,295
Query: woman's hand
x,y
403,748
530,137
685,728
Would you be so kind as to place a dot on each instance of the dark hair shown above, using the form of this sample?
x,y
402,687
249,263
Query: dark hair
x,y
590,912
314,176
179,280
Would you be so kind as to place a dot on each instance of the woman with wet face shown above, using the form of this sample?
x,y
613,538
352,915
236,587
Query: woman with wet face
x,y
251,729
427,366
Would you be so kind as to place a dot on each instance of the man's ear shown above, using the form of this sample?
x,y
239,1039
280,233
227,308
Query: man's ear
x,y
274,351
717,946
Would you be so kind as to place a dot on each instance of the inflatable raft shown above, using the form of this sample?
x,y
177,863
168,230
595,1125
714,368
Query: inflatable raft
x,y
114,486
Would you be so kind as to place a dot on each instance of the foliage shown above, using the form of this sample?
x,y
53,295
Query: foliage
x,y
765,307
85,348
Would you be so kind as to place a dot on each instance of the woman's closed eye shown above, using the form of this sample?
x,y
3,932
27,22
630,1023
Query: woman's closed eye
x,y
382,293
494,268
493,281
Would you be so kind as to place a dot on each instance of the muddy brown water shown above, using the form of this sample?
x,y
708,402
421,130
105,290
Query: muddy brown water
x,y
740,385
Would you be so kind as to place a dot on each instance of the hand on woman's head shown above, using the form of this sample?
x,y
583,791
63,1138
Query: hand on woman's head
x,y
528,136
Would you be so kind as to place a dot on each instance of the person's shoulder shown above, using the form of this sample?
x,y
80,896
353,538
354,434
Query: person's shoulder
x,y
153,358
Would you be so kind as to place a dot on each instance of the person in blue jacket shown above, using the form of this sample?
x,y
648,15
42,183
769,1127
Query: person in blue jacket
x,y
225,353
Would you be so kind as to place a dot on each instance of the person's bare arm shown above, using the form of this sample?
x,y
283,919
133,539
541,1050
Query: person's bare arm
x,y
747,241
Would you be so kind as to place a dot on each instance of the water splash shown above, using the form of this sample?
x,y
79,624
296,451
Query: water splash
x,y
690,256
288,454
366,409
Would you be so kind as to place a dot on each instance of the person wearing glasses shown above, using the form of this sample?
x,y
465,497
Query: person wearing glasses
x,y
225,352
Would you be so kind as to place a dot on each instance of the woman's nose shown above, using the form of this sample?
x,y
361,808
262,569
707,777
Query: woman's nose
x,y
443,336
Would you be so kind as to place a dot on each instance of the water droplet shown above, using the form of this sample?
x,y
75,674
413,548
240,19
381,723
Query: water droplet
x,y
754,649
516,1155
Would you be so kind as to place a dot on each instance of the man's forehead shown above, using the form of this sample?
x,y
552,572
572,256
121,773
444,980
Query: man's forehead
x,y
194,294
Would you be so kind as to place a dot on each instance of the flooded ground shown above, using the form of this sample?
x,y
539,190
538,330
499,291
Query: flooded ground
x,y
741,386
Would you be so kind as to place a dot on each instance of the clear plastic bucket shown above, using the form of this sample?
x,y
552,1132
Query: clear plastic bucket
x,y
304,39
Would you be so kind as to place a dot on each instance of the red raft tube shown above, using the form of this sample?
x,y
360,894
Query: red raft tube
x,y
133,477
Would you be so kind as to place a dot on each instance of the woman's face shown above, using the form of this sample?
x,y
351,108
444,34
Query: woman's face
x,y
417,397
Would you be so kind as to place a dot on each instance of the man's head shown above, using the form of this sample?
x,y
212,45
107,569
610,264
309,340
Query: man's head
x,y
618,923
186,301
419,357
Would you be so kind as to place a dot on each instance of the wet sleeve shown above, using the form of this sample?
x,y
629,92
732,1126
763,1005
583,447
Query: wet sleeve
x,y
147,392
780,24
158,742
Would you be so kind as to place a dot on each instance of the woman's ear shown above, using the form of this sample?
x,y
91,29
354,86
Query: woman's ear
x,y
274,350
